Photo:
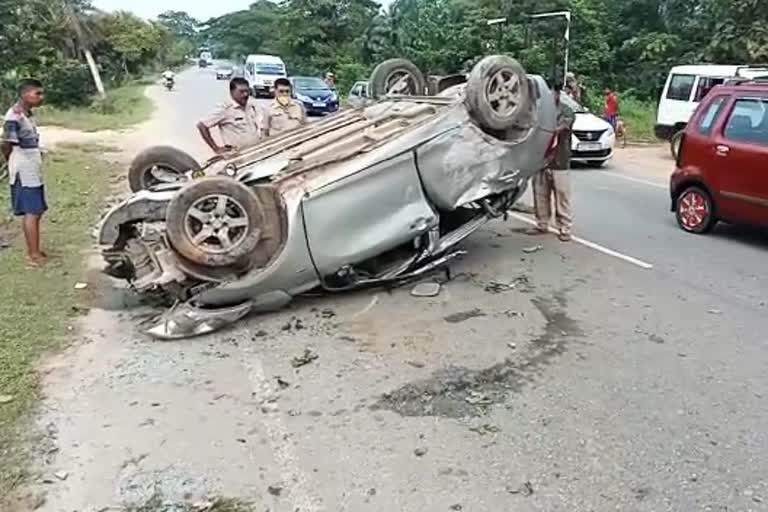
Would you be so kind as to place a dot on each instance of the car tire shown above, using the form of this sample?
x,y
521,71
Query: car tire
x,y
695,210
172,162
227,211
396,71
497,93
674,143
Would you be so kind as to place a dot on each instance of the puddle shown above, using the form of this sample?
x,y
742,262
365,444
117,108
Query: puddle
x,y
457,392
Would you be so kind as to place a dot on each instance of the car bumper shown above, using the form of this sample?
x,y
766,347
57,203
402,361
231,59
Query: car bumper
x,y
599,155
320,107
663,131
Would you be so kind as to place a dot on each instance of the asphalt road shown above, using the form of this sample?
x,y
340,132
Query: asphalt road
x,y
559,379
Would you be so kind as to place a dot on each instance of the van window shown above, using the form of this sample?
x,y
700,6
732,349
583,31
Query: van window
x,y
706,84
357,90
680,87
749,121
708,119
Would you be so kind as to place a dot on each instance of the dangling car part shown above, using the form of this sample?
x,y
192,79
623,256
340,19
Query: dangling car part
x,y
366,197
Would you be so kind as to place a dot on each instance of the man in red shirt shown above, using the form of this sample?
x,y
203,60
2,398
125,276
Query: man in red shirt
x,y
611,107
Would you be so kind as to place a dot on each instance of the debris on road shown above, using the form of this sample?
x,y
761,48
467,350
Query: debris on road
x,y
456,507
306,358
275,490
484,429
327,313
522,282
420,452
477,398
81,286
415,364
6,399
512,345
715,312
526,489
462,316
532,249
426,290
61,475
284,384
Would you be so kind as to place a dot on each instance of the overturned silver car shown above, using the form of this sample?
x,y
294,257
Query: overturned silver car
x,y
370,196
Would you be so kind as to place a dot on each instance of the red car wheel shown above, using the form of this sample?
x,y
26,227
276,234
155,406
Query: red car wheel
x,y
695,210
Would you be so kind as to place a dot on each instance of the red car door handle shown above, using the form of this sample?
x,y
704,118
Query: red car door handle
x,y
721,150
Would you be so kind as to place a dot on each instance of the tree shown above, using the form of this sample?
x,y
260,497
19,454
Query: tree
x,y
181,24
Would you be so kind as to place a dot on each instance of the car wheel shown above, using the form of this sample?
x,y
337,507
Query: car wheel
x,y
674,144
215,222
159,164
497,92
396,76
695,210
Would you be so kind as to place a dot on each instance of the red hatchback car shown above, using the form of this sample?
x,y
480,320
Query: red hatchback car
x,y
722,166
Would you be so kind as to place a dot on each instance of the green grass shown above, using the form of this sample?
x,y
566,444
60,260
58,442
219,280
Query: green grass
x,y
639,117
158,504
38,306
123,107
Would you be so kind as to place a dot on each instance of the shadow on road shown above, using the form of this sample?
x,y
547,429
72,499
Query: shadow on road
x,y
747,235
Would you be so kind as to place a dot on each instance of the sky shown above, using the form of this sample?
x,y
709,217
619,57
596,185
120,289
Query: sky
x,y
202,10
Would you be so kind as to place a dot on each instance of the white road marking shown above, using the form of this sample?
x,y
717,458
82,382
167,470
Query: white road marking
x,y
636,180
288,460
591,245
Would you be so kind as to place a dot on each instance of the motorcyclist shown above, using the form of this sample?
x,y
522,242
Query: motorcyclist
x,y
169,77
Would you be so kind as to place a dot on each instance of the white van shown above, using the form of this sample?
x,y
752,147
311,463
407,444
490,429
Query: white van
x,y
261,71
686,86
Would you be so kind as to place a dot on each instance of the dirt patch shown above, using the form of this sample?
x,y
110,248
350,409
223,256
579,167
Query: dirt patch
x,y
457,392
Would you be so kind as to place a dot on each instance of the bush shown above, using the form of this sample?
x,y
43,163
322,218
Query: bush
x,y
67,83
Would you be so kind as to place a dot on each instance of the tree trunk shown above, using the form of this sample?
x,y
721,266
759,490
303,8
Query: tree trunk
x,y
95,73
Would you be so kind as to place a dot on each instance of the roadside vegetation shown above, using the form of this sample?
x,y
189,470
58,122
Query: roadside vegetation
x,y
629,45
123,107
51,40
39,307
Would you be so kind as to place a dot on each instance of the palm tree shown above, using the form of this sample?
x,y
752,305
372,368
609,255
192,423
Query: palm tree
x,y
84,38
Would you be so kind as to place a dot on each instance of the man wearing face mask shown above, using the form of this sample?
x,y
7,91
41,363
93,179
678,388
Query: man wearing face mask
x,y
284,113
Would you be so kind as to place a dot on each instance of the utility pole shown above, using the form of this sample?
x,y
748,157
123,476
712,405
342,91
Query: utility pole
x,y
499,22
567,37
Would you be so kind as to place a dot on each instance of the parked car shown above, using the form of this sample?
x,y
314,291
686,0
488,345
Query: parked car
x,y
721,167
592,138
315,95
358,95
686,86
224,72
368,197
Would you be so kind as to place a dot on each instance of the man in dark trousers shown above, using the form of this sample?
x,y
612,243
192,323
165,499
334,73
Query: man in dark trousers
x,y
554,180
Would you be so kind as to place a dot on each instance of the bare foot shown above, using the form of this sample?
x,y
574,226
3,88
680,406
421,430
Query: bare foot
x,y
36,261
536,232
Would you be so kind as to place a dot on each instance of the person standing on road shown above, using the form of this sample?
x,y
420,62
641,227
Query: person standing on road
x,y
572,87
21,148
330,80
239,120
284,113
553,180
611,108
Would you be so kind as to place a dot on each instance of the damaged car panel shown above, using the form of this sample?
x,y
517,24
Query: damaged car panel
x,y
362,198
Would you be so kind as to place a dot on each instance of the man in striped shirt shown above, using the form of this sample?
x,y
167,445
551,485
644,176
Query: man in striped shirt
x,y
21,148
